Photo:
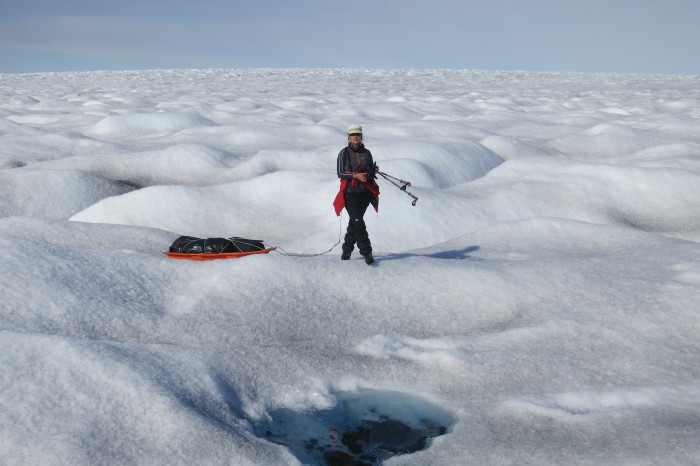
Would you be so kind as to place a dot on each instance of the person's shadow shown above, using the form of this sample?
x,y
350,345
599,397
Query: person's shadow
x,y
461,254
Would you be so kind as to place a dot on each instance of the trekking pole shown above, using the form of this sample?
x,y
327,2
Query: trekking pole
x,y
386,175
403,186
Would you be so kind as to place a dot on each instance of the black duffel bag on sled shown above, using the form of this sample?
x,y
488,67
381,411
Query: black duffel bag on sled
x,y
189,247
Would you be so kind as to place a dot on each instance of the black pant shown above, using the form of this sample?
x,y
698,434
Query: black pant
x,y
356,204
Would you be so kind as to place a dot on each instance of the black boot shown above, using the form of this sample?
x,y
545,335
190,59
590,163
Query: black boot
x,y
368,258
345,255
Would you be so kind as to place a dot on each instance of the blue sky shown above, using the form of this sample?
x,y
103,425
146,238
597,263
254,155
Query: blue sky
x,y
623,36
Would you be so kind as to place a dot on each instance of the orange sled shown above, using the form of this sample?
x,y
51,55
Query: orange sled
x,y
211,257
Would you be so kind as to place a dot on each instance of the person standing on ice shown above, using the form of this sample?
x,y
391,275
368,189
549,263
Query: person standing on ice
x,y
358,189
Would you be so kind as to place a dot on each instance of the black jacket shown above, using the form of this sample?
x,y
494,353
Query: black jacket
x,y
354,160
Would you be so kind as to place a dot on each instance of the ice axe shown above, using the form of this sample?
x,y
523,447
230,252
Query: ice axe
x,y
402,187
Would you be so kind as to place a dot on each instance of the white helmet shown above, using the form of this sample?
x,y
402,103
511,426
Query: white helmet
x,y
354,129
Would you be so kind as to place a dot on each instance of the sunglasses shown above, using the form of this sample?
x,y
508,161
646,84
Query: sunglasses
x,y
356,134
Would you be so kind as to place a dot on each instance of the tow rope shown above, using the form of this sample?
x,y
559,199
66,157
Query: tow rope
x,y
279,250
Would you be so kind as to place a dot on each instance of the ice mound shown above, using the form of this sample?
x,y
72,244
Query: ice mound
x,y
604,141
138,125
682,398
53,193
450,162
7,126
190,163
